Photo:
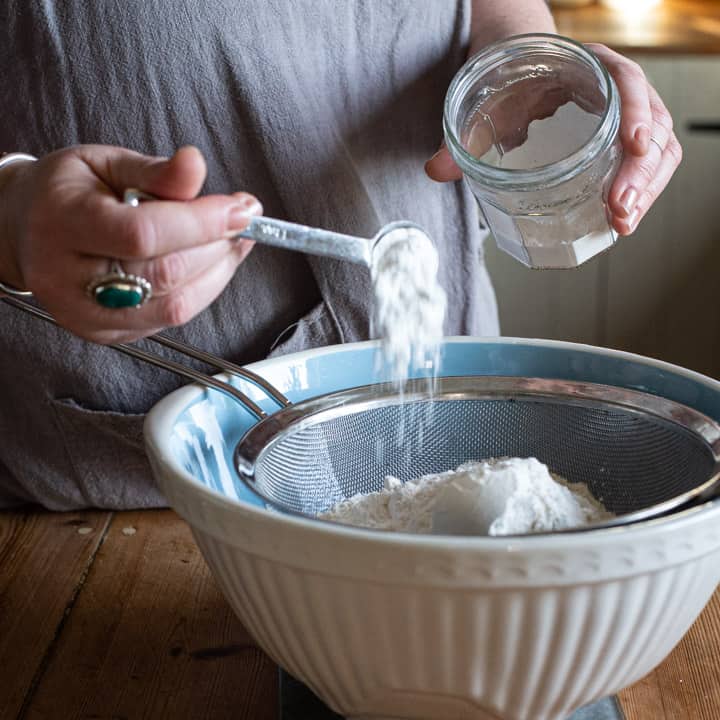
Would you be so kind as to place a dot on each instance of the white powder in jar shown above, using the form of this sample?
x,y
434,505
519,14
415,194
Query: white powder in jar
x,y
508,496
409,303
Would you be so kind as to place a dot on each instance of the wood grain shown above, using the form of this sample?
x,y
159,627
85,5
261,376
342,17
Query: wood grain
x,y
138,629
674,26
43,559
686,686
150,636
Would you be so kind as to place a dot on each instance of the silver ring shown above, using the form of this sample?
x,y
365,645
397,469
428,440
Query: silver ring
x,y
657,142
118,290
133,197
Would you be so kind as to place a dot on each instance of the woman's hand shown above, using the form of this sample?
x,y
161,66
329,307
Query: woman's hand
x,y
651,151
64,223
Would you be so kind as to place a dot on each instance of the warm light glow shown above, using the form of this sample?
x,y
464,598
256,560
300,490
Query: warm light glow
x,y
631,8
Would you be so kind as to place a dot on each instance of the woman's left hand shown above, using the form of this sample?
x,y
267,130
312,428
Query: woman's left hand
x,y
652,152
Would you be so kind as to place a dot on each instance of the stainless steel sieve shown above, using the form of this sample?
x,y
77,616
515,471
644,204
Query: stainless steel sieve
x,y
640,454
643,456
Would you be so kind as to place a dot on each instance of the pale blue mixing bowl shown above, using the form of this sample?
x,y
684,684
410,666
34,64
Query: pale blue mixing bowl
x,y
325,370
374,622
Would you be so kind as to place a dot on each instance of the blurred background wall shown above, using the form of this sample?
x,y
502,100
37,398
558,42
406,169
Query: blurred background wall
x,y
657,292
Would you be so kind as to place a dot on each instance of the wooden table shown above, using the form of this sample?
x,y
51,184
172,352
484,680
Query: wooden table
x,y
114,616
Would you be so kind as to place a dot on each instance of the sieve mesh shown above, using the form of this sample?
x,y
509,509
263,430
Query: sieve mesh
x,y
630,460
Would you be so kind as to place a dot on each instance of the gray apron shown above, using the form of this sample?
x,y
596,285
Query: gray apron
x,y
324,109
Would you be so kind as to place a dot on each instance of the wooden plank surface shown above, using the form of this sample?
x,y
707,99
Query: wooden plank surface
x,y
673,26
150,636
43,559
136,628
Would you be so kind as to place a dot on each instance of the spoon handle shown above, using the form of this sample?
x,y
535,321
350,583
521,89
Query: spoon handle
x,y
290,236
314,241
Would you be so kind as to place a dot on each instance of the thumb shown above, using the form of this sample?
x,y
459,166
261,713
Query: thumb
x,y
179,177
441,167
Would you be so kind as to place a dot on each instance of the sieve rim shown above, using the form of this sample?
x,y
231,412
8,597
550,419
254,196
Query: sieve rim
x,y
261,438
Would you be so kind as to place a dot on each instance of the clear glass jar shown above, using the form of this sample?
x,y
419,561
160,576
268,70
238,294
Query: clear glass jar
x,y
532,122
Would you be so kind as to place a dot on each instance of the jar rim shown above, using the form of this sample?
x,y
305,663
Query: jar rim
x,y
546,175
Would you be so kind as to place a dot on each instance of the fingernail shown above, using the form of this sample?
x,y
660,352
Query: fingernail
x,y
642,138
242,211
632,220
628,200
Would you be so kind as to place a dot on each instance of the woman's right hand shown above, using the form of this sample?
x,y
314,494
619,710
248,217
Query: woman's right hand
x,y
63,221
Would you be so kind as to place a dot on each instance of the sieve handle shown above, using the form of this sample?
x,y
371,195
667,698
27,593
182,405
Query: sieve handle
x,y
178,368
221,364
290,236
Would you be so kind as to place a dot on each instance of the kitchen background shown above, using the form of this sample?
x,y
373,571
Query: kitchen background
x,y
657,292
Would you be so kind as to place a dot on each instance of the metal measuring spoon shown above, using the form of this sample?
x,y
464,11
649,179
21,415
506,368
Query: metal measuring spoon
x,y
314,241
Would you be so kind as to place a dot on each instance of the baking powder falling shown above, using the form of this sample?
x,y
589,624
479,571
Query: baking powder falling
x,y
409,303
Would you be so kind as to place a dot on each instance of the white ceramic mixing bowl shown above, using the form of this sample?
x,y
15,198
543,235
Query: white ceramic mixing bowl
x,y
384,625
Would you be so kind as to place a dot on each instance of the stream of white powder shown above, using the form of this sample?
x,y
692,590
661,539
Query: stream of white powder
x,y
409,303
497,497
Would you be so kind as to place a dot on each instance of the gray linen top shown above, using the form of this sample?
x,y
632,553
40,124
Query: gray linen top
x,y
324,109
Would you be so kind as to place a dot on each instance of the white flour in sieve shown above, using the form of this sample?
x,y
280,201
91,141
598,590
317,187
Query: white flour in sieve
x,y
507,496
409,304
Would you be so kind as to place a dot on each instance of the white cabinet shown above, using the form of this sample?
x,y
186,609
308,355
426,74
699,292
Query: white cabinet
x,y
657,292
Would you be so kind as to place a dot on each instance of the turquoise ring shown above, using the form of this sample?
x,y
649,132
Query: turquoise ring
x,y
118,290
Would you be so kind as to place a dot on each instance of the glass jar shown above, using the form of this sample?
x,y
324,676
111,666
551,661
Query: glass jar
x,y
532,122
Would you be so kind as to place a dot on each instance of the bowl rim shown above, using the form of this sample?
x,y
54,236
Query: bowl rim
x,y
158,424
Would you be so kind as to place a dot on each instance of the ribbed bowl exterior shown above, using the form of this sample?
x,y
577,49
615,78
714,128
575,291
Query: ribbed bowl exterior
x,y
377,650
385,626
